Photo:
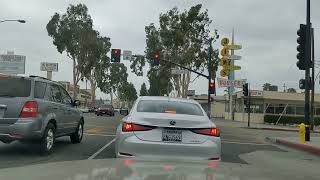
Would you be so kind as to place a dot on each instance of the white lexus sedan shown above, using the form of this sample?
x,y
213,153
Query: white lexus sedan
x,y
167,128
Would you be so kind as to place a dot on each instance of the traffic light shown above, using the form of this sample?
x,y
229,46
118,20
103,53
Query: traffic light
x,y
156,59
302,83
211,88
245,89
301,48
115,55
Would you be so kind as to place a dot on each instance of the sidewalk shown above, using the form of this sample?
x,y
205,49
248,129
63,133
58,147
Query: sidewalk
x,y
312,146
278,127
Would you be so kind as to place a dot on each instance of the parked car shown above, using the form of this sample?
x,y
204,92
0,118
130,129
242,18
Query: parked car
x,y
105,109
38,110
93,109
84,110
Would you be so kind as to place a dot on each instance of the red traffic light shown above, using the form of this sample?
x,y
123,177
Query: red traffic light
x,y
115,51
211,85
157,56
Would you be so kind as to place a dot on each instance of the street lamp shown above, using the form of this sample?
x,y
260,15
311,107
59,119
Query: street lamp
x,y
17,20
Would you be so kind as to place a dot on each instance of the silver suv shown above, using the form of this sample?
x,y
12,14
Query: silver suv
x,y
37,109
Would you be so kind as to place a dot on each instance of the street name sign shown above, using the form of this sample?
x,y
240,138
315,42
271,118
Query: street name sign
x,y
234,46
179,71
127,55
231,83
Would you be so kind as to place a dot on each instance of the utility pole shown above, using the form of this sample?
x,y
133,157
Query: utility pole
x,y
284,87
231,77
209,77
313,83
307,73
249,106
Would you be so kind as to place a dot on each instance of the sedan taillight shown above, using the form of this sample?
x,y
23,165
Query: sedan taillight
x,y
207,131
29,110
129,127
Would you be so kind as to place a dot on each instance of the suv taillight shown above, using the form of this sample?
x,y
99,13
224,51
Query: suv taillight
x,y
29,110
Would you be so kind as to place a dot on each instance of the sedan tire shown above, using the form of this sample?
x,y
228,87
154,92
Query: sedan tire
x,y
76,137
48,139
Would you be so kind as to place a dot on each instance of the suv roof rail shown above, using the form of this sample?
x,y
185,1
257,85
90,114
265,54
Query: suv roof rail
x,y
33,76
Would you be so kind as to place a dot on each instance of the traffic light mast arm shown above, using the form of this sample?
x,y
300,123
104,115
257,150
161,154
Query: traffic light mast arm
x,y
200,74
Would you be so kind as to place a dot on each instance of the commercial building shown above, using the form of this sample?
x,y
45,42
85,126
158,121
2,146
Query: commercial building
x,y
265,105
83,95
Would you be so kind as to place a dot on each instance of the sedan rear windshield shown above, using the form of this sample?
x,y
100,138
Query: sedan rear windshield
x,y
174,107
14,87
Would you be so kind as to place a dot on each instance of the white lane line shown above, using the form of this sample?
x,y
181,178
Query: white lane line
x,y
105,135
100,150
248,143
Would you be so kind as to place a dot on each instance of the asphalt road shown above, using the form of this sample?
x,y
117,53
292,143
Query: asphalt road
x,y
237,144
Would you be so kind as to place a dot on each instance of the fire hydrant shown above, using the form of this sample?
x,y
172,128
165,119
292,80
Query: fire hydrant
x,y
302,132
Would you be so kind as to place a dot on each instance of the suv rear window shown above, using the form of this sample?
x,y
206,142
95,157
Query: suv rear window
x,y
175,107
14,87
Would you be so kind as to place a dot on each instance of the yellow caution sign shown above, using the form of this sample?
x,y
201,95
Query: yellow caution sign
x,y
225,62
232,68
302,133
224,51
224,72
224,41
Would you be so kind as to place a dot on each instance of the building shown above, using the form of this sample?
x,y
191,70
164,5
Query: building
x,y
83,95
278,106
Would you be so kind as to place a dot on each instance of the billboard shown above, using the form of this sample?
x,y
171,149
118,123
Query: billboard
x,y
51,67
12,64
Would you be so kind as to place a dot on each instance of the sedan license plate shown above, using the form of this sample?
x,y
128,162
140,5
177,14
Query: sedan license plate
x,y
170,135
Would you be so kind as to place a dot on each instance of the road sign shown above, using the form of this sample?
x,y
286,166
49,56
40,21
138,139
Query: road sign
x,y
231,83
224,52
179,71
12,64
234,46
224,41
224,72
127,55
191,92
225,62
232,68
51,67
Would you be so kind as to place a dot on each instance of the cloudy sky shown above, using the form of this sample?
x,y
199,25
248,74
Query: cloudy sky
x,y
266,29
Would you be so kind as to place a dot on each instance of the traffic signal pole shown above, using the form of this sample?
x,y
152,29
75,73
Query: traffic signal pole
x,y
313,83
307,74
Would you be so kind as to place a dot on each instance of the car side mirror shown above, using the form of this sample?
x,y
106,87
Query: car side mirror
x,y
124,112
76,103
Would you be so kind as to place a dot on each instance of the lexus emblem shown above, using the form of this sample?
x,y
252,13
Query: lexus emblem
x,y
172,123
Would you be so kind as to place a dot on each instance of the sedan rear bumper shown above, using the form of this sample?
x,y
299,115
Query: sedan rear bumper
x,y
131,146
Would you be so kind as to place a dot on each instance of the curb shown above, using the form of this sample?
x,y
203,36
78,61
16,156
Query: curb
x,y
298,146
280,129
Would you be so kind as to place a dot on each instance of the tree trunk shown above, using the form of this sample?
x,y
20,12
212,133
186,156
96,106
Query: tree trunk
x,y
74,79
93,91
111,97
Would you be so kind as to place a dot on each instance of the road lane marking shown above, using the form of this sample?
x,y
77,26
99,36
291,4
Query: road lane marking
x,y
100,150
247,143
94,130
106,135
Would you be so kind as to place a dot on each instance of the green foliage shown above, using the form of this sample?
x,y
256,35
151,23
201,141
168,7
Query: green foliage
x,y
183,38
127,92
143,90
73,34
291,90
288,119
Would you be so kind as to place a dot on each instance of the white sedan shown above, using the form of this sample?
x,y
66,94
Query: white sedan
x,y
166,128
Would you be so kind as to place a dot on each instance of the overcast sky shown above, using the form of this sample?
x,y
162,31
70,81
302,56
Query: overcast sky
x,y
266,29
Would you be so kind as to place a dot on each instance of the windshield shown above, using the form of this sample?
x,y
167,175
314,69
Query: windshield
x,y
234,84
169,107
14,87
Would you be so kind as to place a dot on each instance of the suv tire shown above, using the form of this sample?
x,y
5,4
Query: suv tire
x,y
77,136
48,139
